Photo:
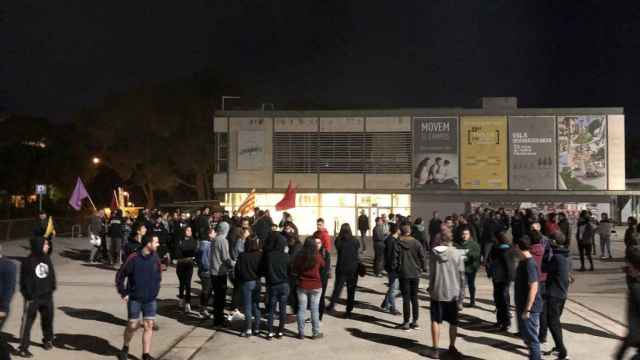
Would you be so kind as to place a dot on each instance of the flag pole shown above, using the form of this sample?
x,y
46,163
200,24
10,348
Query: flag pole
x,y
91,201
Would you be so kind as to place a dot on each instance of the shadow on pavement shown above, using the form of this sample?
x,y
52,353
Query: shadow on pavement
x,y
403,343
581,329
497,344
88,343
95,315
169,308
76,254
101,266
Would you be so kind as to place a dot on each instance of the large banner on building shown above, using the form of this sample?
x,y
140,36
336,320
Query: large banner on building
x,y
582,152
483,152
251,148
532,164
435,153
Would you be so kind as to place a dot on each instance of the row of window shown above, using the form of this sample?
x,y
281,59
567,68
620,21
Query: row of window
x,y
348,152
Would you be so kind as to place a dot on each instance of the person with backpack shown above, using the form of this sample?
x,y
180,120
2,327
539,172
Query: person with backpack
x,y
584,238
391,262
501,268
346,268
186,247
411,264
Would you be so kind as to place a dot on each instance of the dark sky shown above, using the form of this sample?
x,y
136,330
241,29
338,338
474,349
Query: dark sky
x,y
59,56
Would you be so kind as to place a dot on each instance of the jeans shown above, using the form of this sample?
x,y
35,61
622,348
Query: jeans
x,y
502,299
390,299
409,289
378,257
313,296
471,283
605,245
585,250
278,295
207,289
555,306
148,310
352,282
250,303
184,269
116,245
44,306
529,333
219,283
363,239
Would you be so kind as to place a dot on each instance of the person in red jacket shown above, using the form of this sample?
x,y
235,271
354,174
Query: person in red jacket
x,y
307,266
324,234
551,225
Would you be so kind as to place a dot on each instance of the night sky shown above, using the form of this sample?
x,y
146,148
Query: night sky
x,y
60,56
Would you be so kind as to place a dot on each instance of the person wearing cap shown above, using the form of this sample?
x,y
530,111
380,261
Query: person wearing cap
x,y
138,283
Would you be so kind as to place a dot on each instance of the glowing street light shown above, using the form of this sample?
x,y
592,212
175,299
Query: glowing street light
x,y
96,160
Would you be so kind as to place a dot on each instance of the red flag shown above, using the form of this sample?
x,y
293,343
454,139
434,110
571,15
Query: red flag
x,y
289,199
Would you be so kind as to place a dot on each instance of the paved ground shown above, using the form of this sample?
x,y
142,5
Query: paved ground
x,y
89,320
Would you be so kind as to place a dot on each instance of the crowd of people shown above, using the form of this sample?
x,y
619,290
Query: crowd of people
x,y
526,252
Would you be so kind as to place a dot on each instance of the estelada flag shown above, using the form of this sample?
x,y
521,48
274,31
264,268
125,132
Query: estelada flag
x,y
289,199
248,204
51,230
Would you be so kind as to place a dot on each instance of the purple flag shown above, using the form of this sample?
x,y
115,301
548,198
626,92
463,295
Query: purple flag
x,y
79,194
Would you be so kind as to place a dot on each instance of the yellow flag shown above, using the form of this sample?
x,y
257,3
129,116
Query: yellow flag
x,y
50,229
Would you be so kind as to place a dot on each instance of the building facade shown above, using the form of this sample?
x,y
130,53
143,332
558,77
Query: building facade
x,y
415,161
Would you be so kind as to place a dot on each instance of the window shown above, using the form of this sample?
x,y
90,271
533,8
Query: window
x,y
388,153
295,152
221,152
341,152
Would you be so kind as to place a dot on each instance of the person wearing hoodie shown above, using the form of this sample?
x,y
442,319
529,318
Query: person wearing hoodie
x,y
138,283
411,264
7,288
37,285
604,232
501,265
584,238
446,279
248,276
186,247
348,249
276,271
471,262
203,255
391,263
558,271
220,264
378,246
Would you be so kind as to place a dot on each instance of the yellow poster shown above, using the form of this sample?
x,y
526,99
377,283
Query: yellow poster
x,y
483,152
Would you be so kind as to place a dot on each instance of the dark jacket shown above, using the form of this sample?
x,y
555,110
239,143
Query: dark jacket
x,y
186,247
130,247
37,275
434,227
262,228
558,270
363,223
201,228
277,264
7,283
472,259
411,258
347,248
584,232
502,263
248,266
391,255
631,237
140,277
418,232
565,230
116,227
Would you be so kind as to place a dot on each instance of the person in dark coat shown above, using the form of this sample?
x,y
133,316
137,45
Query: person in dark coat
x,y
584,237
363,228
501,267
346,268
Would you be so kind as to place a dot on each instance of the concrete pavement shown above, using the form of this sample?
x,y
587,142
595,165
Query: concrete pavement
x,y
90,318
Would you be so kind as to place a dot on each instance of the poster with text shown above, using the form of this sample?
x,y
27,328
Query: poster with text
x,y
251,149
582,152
532,149
435,153
483,152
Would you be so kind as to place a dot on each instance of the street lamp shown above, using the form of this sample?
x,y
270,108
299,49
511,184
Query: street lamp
x,y
96,160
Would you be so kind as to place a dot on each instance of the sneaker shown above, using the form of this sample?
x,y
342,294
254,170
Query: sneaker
x,y
395,312
317,336
300,336
25,353
279,335
47,345
415,326
187,308
603,257
147,357
404,326
270,336
566,357
205,314
245,334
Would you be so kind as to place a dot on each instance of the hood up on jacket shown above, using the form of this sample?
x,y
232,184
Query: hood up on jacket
x,y
222,229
